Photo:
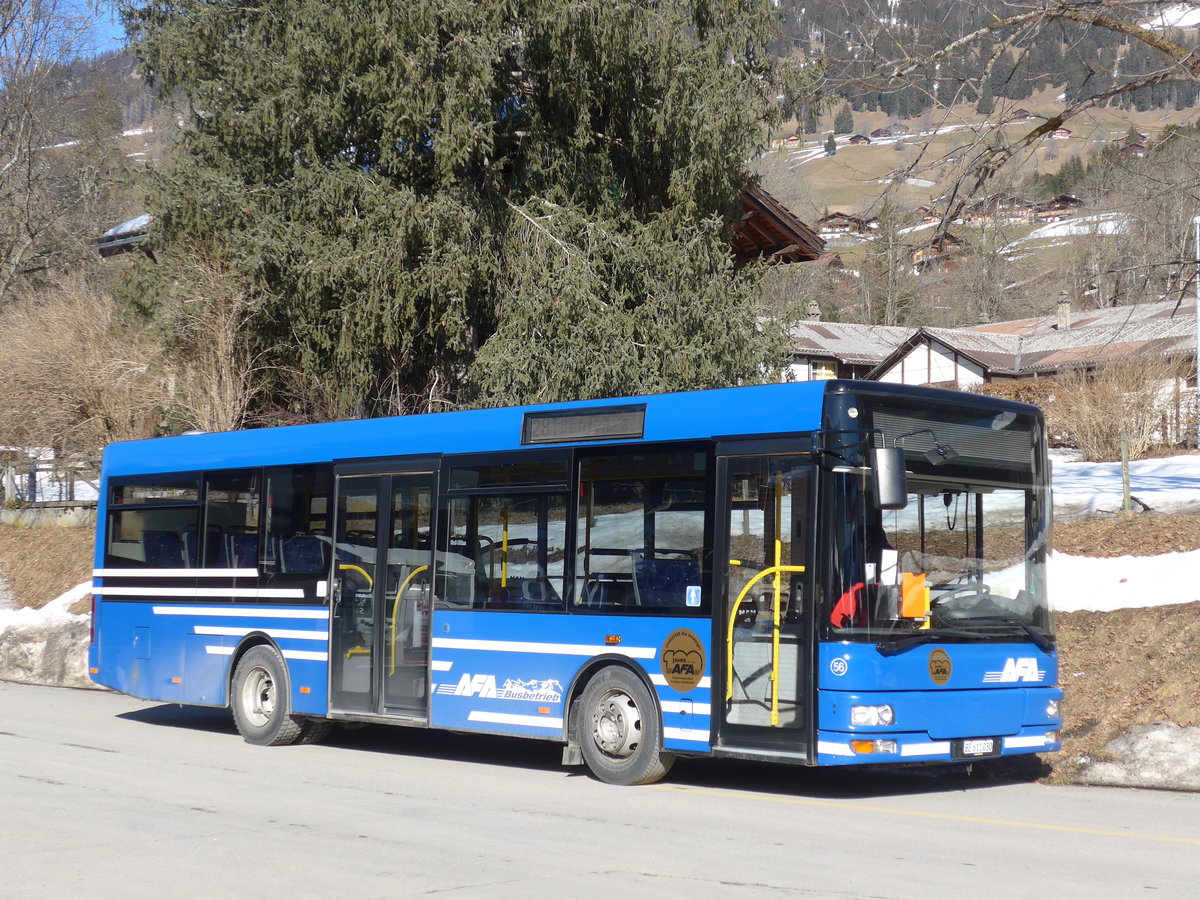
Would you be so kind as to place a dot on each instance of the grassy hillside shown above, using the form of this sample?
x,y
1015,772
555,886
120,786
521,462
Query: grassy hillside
x,y
850,180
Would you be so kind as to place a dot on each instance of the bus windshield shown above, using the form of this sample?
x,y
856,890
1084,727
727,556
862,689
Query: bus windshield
x,y
960,561
964,559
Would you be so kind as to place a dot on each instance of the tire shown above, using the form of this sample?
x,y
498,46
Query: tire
x,y
314,731
620,729
261,699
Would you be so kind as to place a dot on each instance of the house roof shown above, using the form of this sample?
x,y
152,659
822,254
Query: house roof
x,y
768,228
124,237
1021,347
1184,309
848,342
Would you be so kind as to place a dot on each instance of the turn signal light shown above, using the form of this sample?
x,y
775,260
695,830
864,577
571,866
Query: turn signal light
x,y
874,746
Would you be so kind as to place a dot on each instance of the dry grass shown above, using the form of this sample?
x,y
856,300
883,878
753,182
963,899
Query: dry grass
x,y
1121,669
39,564
1146,534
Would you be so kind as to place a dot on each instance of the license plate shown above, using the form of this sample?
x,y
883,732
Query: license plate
x,y
972,747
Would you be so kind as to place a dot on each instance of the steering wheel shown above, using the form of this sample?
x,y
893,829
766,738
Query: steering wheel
x,y
978,589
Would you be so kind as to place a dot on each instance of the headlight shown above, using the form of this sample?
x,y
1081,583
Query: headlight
x,y
872,715
1053,709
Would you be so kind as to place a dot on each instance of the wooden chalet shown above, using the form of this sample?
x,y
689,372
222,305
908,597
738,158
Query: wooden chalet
x,y
769,230
938,250
844,223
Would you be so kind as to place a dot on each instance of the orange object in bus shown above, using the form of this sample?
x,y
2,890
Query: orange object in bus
x,y
914,596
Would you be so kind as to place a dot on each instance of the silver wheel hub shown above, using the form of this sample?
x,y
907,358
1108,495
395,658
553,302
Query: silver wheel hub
x,y
617,724
258,696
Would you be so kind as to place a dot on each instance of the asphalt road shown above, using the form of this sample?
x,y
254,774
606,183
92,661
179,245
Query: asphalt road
x,y
105,796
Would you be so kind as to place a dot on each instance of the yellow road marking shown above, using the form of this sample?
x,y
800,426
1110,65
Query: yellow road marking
x,y
946,817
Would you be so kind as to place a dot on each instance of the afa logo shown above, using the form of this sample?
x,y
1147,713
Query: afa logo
x,y
538,691
1024,668
476,686
682,660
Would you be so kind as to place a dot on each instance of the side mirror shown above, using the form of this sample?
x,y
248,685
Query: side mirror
x,y
889,484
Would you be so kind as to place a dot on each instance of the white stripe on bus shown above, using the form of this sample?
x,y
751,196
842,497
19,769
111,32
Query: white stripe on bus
x,y
832,749
440,665
929,748
1035,740
174,573
532,647
241,612
299,635
686,734
661,680
316,655
513,719
198,592
686,706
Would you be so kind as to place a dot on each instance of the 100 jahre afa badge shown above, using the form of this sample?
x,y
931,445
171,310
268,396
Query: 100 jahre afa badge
x,y
682,660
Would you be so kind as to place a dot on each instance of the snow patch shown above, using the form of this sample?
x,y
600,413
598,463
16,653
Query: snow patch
x,y
1181,15
1085,488
47,645
1163,755
1124,582
1101,223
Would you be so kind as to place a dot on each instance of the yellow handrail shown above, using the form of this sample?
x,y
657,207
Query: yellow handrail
x,y
759,576
395,608
360,569
504,546
778,595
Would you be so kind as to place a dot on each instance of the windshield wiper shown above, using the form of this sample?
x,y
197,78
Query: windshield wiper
x,y
899,645
1040,636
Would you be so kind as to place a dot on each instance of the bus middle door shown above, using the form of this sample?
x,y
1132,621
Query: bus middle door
x,y
764,626
381,593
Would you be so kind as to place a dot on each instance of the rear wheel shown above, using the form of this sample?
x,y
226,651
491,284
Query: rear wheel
x,y
261,700
620,732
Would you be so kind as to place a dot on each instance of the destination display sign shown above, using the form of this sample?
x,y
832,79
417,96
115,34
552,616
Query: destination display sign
x,y
601,424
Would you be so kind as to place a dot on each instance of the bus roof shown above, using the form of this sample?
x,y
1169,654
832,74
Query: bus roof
x,y
768,409
695,415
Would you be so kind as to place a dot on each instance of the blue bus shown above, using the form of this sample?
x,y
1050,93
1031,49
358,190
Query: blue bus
x,y
820,573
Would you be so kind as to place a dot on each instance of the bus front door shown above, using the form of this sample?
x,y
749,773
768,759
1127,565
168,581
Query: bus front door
x,y
381,594
765,623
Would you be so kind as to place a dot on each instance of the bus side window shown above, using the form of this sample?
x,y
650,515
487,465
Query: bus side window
x,y
296,537
231,508
640,535
153,524
505,552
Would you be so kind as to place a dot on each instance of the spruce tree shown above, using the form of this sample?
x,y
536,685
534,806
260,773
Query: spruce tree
x,y
446,201
843,122
986,102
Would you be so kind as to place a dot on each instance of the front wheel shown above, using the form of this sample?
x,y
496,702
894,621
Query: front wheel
x,y
620,732
261,700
